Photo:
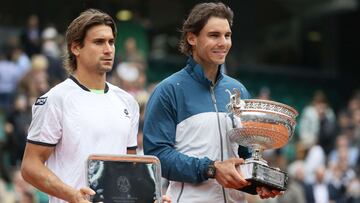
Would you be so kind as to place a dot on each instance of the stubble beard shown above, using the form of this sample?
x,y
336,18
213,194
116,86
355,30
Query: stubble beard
x,y
103,69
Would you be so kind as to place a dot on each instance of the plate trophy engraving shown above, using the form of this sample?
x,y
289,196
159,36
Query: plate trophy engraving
x,y
260,125
124,179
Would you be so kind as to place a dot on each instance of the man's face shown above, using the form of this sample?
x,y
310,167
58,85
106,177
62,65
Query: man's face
x,y
212,44
97,54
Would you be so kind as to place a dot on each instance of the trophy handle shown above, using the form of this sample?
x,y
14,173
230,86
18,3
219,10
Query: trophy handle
x,y
236,104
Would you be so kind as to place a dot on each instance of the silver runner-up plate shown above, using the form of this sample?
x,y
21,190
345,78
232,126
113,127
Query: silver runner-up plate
x,y
262,175
124,179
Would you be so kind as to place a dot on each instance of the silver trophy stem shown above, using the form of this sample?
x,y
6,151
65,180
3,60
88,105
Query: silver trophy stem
x,y
256,155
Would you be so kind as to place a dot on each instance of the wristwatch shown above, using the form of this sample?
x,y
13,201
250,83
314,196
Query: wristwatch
x,y
211,170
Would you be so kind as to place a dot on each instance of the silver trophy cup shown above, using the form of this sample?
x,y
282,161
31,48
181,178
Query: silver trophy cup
x,y
260,125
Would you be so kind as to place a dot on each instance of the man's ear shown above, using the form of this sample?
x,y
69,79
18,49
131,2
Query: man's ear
x,y
75,47
191,38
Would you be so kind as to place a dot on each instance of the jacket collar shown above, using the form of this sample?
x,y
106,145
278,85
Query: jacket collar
x,y
197,72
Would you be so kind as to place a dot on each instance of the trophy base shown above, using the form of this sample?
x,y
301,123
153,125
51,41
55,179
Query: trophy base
x,y
263,176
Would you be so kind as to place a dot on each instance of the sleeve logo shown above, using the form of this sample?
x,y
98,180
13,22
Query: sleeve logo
x,y
40,101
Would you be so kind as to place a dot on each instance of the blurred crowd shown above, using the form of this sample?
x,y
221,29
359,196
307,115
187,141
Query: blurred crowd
x,y
322,159
30,64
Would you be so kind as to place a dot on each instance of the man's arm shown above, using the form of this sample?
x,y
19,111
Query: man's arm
x,y
131,151
35,172
159,139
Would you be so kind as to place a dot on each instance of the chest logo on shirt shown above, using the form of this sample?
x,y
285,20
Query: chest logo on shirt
x,y
126,112
40,101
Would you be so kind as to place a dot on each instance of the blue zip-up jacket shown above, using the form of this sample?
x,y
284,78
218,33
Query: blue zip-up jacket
x,y
185,127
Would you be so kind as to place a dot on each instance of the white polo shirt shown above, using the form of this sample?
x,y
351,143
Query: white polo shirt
x,y
80,123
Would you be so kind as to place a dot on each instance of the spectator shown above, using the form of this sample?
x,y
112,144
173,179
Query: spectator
x,y
315,158
10,74
340,175
317,123
133,54
353,191
355,138
53,53
35,82
344,125
4,171
30,36
24,192
295,192
343,149
18,121
6,195
264,93
321,191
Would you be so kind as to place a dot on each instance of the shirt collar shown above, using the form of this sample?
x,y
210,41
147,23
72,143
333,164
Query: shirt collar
x,y
85,88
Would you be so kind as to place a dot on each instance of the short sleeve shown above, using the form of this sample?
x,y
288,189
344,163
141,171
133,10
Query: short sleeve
x,y
132,139
46,126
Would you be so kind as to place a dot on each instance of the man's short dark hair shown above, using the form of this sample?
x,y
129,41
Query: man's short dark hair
x,y
77,30
198,18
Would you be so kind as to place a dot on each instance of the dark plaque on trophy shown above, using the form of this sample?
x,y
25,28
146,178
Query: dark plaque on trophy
x,y
260,125
124,179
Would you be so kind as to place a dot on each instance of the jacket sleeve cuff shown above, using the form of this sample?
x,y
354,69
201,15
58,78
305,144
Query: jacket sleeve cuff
x,y
204,167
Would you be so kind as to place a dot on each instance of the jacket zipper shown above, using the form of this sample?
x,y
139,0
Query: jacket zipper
x,y
221,139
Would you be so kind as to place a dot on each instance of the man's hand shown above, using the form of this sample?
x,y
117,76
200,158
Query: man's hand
x,y
228,176
82,195
165,199
265,193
